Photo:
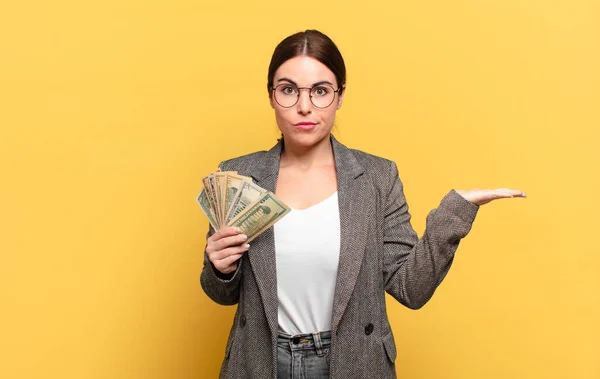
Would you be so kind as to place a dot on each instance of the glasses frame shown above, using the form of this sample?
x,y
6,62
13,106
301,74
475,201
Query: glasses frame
x,y
309,94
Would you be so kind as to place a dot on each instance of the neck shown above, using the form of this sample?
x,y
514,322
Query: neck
x,y
320,154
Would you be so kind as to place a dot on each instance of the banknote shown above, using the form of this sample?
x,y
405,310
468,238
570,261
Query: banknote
x,y
206,208
260,215
219,186
233,185
230,199
247,194
209,194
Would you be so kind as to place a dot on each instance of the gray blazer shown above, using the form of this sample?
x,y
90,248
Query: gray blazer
x,y
380,252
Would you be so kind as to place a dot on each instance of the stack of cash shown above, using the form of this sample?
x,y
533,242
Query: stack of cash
x,y
228,199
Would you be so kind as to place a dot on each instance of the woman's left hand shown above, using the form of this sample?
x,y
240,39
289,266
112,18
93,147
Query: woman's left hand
x,y
483,196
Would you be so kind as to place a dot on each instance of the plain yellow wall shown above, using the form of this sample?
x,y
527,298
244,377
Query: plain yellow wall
x,y
112,111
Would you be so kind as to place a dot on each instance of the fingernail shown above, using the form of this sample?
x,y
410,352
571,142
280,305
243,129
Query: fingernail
x,y
244,237
238,230
247,246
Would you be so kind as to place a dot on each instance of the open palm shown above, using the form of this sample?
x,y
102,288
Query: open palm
x,y
483,196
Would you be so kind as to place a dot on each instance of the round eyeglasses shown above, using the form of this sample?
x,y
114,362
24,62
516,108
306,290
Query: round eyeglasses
x,y
287,95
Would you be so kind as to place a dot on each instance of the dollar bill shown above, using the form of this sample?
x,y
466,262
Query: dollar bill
x,y
209,194
260,215
202,200
219,185
247,194
226,182
233,184
229,199
212,190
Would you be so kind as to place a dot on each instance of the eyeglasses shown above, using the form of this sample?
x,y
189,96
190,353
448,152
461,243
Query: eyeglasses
x,y
287,95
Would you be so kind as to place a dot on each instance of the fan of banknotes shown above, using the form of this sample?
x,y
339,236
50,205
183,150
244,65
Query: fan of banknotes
x,y
229,199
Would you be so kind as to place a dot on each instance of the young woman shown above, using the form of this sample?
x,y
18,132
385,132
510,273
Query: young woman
x,y
310,290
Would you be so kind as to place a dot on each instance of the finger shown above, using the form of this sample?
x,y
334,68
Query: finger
x,y
232,259
224,232
224,254
225,269
227,266
226,242
507,193
508,190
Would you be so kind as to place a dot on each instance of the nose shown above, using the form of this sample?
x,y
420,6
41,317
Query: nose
x,y
304,104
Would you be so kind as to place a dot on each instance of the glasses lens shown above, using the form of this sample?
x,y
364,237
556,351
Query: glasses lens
x,y
322,96
286,95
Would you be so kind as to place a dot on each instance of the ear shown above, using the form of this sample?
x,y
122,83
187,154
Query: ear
x,y
271,100
341,96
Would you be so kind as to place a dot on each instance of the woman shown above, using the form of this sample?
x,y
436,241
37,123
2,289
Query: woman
x,y
310,290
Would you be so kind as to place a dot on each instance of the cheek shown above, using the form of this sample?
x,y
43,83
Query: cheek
x,y
282,115
329,116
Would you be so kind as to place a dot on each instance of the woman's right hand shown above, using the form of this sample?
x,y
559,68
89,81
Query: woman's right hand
x,y
225,247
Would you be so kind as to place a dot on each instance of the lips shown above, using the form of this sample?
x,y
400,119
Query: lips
x,y
305,125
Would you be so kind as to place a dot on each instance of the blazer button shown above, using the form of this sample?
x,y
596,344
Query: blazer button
x,y
243,321
369,329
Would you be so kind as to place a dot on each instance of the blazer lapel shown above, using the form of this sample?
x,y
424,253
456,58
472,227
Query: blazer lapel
x,y
262,249
352,207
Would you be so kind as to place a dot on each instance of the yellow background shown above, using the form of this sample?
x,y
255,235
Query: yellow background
x,y
112,111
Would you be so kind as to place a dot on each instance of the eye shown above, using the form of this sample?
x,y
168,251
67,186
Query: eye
x,y
288,90
320,91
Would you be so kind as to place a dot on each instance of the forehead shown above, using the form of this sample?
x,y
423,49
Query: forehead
x,y
305,71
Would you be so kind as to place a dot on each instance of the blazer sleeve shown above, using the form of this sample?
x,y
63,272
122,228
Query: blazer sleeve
x,y
413,267
222,288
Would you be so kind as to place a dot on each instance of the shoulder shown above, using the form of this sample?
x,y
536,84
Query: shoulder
x,y
243,163
382,172
373,163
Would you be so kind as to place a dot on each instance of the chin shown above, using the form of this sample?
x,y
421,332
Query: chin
x,y
306,139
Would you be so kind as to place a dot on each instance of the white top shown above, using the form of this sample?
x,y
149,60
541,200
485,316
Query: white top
x,y
307,246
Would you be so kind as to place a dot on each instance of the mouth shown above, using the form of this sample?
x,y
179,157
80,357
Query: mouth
x,y
305,125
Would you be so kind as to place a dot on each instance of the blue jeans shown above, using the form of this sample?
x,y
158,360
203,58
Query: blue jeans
x,y
303,356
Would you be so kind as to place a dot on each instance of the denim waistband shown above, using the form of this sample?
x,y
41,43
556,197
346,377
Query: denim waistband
x,y
320,341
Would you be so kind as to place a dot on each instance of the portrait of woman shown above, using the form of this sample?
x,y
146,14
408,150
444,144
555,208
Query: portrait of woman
x,y
374,165
310,291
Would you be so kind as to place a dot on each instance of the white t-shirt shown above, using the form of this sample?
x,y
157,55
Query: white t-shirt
x,y
307,246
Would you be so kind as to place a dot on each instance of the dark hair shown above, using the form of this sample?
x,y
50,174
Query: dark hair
x,y
311,43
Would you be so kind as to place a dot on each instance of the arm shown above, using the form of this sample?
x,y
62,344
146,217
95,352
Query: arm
x,y
413,267
222,288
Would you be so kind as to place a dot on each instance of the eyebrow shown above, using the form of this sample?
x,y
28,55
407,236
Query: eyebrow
x,y
296,84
